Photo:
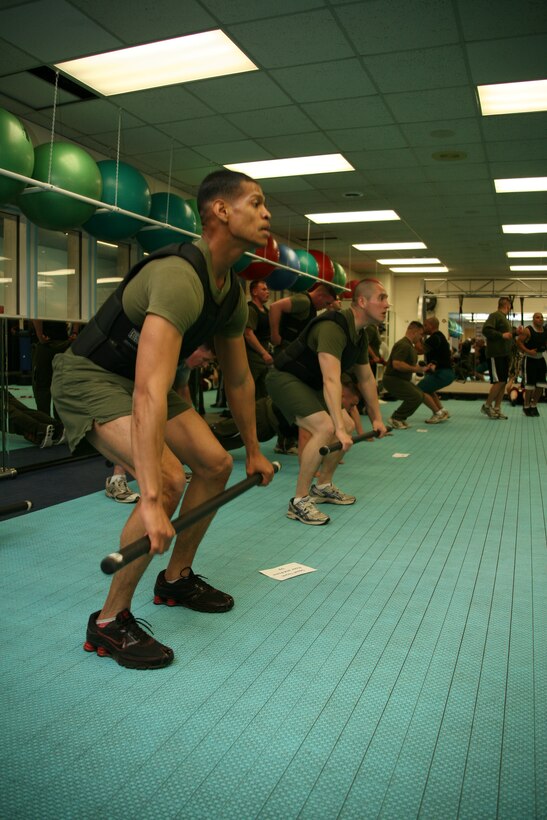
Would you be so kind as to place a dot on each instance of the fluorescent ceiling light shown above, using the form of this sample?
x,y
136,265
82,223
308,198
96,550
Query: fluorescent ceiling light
x,y
107,244
410,261
518,185
178,60
108,280
391,246
352,216
60,272
4,281
530,228
526,254
527,267
425,269
293,166
513,98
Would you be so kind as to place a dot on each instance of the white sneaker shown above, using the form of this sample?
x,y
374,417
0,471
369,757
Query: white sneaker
x,y
306,512
47,441
398,424
444,413
330,495
435,419
116,488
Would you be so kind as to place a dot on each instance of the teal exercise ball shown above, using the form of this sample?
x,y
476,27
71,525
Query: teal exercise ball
x,y
174,210
193,203
307,265
133,194
16,154
73,169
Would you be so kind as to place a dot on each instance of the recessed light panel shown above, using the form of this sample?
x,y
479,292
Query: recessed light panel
x,y
513,98
167,62
293,166
529,228
419,269
526,254
520,185
352,216
410,261
391,246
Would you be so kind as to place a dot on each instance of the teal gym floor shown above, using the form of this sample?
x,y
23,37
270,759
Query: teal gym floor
x,y
404,678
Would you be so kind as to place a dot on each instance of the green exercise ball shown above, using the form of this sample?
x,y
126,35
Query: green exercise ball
x,y
16,154
174,210
340,275
193,203
73,169
309,265
133,194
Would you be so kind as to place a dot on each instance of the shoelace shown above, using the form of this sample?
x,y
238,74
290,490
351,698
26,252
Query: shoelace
x,y
137,624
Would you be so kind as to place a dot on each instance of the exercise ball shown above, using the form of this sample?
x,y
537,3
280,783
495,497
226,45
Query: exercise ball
x,y
174,210
193,203
308,265
261,270
279,278
352,284
16,154
324,265
73,169
133,195
243,262
340,275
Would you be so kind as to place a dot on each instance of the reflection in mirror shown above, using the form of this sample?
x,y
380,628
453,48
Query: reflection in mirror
x,y
112,263
9,228
58,274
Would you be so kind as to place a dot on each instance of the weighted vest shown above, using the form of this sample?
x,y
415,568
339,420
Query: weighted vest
x,y
303,362
262,331
290,327
111,340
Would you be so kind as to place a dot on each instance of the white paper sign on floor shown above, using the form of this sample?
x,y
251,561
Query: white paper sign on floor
x,y
286,571
401,455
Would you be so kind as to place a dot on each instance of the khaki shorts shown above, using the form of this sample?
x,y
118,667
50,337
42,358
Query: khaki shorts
x,y
293,397
84,393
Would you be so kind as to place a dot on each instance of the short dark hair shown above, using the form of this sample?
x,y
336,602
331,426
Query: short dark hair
x,y
415,326
505,300
255,283
365,287
222,183
326,286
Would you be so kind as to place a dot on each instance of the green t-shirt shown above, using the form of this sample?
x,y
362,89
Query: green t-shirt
x,y
403,351
171,288
300,306
493,329
329,337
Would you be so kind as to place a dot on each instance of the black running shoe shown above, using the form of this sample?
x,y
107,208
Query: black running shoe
x,y
126,642
192,592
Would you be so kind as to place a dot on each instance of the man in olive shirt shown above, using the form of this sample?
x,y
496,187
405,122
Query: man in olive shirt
x,y
306,385
290,315
397,378
257,336
498,333
165,308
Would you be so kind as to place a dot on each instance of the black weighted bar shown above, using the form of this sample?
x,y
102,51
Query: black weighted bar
x,y
117,560
19,506
324,451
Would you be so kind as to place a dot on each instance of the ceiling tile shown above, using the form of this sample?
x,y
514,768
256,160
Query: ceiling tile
x,y
202,131
355,139
440,134
325,81
514,151
238,151
33,91
508,61
148,21
418,69
175,159
396,158
378,26
136,140
13,60
54,30
521,127
482,21
301,38
240,10
424,106
287,119
298,145
169,104
93,116
354,113
240,92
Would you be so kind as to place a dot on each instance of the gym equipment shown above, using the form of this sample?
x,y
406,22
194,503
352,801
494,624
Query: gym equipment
x,y
325,265
16,154
175,211
261,270
324,451
67,166
117,560
308,265
124,187
18,506
279,278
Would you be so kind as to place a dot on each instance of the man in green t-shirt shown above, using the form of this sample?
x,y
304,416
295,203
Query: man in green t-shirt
x,y
138,421
498,332
306,385
257,336
397,378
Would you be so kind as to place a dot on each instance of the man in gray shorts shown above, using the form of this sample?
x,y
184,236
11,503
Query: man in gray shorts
x,y
113,387
306,385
